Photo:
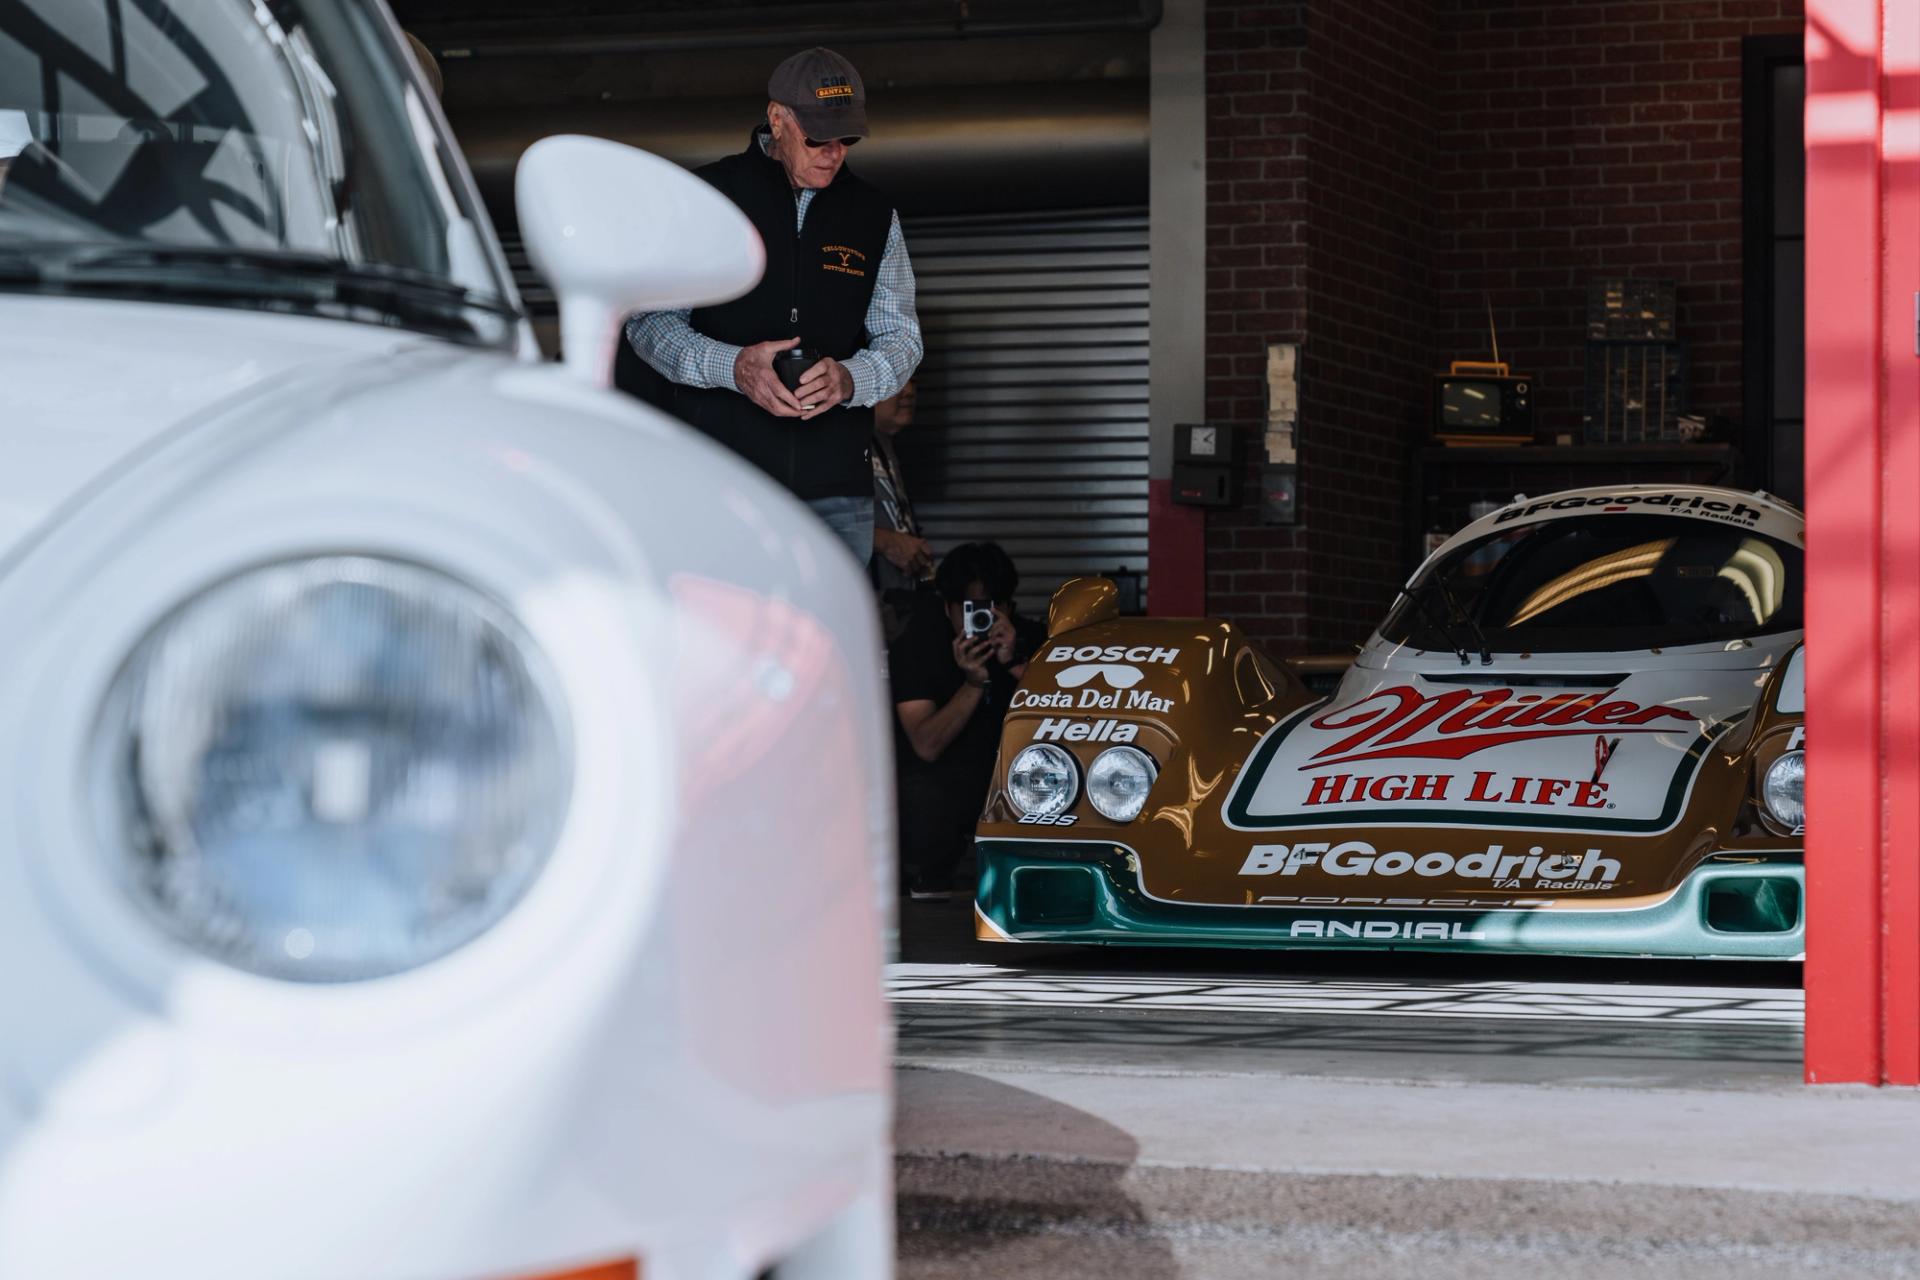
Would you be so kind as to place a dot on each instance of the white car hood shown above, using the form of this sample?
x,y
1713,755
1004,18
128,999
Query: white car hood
x,y
88,384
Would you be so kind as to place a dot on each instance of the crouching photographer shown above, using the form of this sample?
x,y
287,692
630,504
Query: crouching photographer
x,y
953,670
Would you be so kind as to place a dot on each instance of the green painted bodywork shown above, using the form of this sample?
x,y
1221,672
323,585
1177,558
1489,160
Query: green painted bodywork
x,y
1089,892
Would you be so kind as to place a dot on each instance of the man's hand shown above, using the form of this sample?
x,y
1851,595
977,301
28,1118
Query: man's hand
x,y
970,653
903,551
827,385
753,374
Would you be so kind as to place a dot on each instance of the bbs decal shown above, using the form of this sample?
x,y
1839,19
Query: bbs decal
x,y
1048,819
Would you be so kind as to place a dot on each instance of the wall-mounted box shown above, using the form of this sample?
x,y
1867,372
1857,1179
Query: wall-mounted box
x,y
1206,472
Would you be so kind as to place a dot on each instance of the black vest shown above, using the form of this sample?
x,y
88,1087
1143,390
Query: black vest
x,y
818,284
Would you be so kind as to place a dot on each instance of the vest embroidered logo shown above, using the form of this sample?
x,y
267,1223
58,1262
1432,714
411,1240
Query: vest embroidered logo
x,y
847,254
1402,723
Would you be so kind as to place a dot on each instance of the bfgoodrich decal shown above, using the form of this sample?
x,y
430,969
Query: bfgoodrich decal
x,y
1532,868
1673,503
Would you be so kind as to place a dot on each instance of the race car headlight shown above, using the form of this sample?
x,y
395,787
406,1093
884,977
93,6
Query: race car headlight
x,y
1043,781
1784,790
1118,782
334,769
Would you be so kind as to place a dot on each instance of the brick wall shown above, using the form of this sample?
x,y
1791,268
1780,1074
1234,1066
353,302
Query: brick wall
x,y
1378,171
1370,316
1256,287
1320,135
1580,140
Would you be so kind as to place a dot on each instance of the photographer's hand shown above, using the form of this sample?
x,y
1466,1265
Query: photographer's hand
x,y
753,374
1000,638
827,385
970,654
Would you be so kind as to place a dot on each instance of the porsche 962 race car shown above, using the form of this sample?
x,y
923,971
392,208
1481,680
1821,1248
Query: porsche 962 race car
x,y
1578,731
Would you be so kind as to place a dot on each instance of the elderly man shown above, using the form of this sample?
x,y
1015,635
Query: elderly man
x,y
838,285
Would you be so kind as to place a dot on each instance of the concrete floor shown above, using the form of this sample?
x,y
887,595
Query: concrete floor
x,y
1245,1140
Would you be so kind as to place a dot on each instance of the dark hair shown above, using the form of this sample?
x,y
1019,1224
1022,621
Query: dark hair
x,y
981,562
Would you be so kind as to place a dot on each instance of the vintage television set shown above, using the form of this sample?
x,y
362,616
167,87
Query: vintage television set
x,y
1477,402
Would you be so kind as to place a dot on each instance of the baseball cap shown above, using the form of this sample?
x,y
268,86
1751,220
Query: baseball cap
x,y
824,93
16,134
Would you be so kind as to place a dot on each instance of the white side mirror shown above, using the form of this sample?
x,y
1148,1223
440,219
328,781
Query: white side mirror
x,y
616,230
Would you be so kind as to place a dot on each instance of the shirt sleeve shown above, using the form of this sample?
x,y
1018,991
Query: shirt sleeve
x,y
916,659
894,345
668,342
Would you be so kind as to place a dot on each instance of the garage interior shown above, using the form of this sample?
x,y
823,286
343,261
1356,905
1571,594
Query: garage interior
x,y
1376,185
1382,185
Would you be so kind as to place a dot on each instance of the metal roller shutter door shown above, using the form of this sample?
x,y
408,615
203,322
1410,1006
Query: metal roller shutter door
x,y
1032,426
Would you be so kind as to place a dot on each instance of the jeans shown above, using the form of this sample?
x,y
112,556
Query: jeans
x,y
851,520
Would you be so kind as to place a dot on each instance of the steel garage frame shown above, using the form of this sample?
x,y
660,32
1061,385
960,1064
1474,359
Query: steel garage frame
x,y
1863,541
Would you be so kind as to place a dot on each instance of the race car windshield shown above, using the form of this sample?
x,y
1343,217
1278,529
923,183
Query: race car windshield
x,y
1603,582
237,153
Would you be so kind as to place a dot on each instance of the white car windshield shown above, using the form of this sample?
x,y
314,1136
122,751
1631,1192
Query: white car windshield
x,y
274,154
1590,584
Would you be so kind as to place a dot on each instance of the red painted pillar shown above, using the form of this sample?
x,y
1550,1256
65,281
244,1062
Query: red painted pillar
x,y
1900,534
1176,555
1863,541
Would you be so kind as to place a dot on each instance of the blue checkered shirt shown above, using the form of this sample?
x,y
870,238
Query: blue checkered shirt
x,y
682,355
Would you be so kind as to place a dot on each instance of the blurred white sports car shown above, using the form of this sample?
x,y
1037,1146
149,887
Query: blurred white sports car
x,y
444,806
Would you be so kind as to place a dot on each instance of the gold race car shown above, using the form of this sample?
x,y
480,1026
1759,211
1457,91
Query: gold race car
x,y
1578,731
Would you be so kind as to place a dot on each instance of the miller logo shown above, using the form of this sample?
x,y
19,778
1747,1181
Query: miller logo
x,y
1400,722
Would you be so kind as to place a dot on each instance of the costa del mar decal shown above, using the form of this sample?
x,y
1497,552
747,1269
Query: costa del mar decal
x,y
1570,758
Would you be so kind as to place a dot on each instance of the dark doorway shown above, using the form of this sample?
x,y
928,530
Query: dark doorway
x,y
1774,182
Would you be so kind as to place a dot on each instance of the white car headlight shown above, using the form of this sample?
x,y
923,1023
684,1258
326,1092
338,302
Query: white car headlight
x,y
1043,781
334,769
1118,782
1784,790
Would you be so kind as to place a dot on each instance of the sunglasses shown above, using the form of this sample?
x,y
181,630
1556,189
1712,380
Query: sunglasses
x,y
816,144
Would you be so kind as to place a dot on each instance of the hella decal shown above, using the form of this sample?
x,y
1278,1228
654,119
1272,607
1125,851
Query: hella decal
x,y
1535,869
1709,508
1384,930
1402,723
1064,730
